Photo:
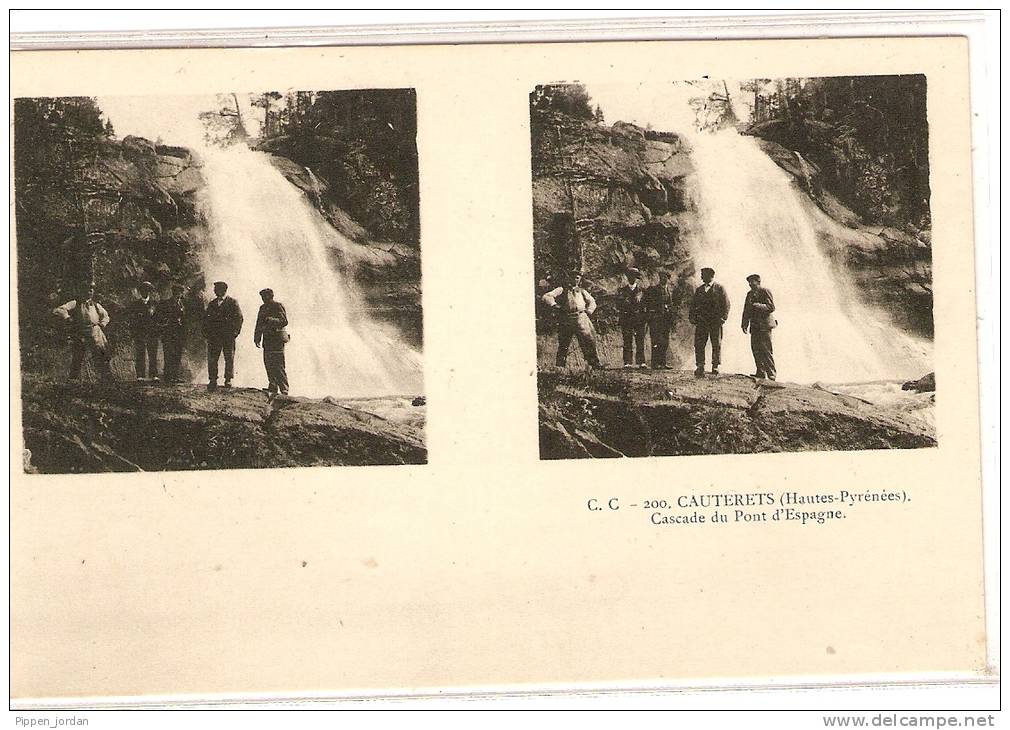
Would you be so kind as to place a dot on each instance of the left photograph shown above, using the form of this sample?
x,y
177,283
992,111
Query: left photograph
x,y
219,282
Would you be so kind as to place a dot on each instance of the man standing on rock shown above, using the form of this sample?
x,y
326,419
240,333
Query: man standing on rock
x,y
172,327
574,306
709,310
88,319
144,328
632,319
270,324
222,322
757,316
659,306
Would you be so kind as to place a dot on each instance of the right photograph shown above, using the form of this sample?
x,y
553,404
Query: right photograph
x,y
732,266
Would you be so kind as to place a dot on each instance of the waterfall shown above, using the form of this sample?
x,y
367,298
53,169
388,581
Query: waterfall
x,y
264,233
755,219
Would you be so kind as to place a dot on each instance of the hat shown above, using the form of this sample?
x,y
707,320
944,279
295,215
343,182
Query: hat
x,y
754,277
146,286
221,283
266,291
632,271
708,270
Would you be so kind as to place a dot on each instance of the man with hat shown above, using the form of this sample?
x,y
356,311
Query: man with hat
x,y
757,316
89,320
659,305
172,325
709,310
222,322
574,306
631,317
270,324
143,318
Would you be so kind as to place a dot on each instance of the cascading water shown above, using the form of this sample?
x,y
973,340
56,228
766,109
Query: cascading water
x,y
754,219
264,233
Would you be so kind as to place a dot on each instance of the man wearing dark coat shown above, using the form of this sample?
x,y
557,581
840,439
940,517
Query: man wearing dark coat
x,y
659,307
632,319
222,322
143,318
172,326
757,316
709,310
270,324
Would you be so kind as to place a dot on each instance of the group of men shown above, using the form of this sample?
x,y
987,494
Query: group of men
x,y
152,322
652,310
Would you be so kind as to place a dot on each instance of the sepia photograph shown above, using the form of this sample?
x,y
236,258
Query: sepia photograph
x,y
732,266
236,270
219,281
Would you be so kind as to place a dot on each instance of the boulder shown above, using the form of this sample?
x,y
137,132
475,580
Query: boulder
x,y
925,384
138,145
626,129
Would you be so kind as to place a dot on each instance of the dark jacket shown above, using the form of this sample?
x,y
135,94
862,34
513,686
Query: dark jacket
x,y
658,302
757,310
222,319
629,305
143,318
172,317
270,323
709,307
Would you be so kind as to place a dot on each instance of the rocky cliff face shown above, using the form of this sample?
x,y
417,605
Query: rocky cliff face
x,y
146,222
666,413
74,428
627,192
128,215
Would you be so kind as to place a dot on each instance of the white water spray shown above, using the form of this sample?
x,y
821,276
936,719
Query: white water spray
x,y
264,233
754,219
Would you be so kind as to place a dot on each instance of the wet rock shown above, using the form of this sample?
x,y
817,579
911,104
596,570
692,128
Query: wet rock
x,y
126,427
669,413
925,384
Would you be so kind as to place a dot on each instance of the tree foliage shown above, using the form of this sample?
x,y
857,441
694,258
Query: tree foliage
x,y
225,125
868,134
570,99
57,141
362,143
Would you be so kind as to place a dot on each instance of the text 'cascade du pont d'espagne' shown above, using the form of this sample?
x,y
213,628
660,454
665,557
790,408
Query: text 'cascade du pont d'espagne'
x,y
795,507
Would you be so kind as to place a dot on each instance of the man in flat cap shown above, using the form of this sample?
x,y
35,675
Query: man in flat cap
x,y
143,318
574,305
222,322
172,323
88,320
757,316
709,310
631,311
270,324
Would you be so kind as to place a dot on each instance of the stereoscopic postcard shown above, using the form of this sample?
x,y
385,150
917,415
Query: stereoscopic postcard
x,y
345,370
